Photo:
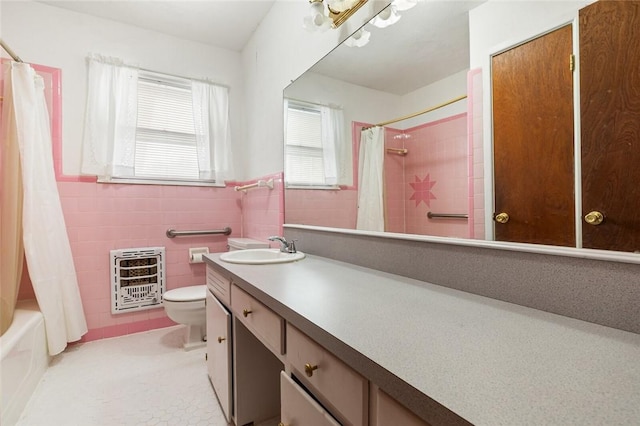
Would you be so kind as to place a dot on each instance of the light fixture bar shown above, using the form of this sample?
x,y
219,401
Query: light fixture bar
x,y
338,18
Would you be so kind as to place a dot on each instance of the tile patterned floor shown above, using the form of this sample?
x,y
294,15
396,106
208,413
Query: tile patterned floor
x,y
139,379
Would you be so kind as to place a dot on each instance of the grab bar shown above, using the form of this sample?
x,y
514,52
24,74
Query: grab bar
x,y
259,184
171,233
447,216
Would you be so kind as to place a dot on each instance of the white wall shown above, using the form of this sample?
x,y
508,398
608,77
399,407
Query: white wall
x,y
280,51
55,37
499,24
434,94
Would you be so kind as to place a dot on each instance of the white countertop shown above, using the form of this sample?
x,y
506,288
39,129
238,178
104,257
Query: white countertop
x,y
488,361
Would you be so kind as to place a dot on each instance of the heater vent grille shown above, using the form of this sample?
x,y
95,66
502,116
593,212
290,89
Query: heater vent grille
x,y
137,279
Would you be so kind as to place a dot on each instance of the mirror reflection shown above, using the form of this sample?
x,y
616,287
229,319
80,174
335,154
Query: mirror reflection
x,y
391,131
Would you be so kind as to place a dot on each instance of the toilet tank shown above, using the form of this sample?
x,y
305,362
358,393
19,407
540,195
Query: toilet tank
x,y
245,243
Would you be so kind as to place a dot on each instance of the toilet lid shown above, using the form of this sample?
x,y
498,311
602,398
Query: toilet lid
x,y
186,294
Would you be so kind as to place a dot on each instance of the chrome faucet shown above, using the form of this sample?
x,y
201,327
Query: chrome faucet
x,y
285,246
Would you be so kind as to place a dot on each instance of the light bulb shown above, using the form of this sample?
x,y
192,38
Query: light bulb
x,y
401,5
358,39
386,17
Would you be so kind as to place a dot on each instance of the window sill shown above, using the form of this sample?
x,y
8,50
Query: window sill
x,y
165,182
322,187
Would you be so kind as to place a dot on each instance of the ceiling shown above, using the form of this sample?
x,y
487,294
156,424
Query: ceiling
x,y
226,24
430,42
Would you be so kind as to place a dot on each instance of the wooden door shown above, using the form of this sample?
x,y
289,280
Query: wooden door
x,y
533,140
610,123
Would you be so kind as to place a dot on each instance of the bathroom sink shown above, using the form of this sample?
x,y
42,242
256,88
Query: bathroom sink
x,y
260,256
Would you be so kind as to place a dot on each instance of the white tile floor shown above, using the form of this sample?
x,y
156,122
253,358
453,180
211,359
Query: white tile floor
x,y
139,379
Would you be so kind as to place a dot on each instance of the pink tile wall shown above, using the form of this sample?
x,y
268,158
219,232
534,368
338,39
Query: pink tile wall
x,y
102,217
263,208
438,153
336,209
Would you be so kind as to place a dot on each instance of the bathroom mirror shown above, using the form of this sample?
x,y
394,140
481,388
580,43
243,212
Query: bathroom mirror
x,y
434,57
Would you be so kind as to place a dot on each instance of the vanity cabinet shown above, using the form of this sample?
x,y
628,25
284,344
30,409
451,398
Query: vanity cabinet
x,y
338,387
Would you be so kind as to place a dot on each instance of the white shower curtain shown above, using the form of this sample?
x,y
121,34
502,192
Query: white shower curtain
x,y
371,180
46,244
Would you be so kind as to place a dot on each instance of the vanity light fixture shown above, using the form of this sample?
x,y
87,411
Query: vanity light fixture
x,y
389,15
333,15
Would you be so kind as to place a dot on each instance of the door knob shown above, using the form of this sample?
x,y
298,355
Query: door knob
x,y
501,217
246,312
221,339
594,218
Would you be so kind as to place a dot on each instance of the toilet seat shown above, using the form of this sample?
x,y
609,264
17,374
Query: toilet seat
x,y
192,293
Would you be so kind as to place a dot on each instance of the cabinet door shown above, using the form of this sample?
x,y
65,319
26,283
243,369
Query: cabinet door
x,y
298,408
219,352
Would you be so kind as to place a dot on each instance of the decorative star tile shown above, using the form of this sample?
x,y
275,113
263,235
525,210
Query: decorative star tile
x,y
422,190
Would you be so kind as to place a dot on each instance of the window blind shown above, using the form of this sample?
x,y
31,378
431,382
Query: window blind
x,y
165,137
304,161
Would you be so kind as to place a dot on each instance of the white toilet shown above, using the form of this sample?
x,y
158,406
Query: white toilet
x,y
185,305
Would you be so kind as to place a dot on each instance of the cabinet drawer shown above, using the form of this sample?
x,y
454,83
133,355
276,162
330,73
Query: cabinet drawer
x,y
219,285
298,408
336,385
386,411
262,321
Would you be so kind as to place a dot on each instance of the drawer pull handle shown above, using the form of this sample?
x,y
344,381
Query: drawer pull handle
x,y
309,369
221,339
246,312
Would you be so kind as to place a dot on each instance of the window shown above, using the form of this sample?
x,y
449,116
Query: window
x,y
165,134
148,127
303,146
317,154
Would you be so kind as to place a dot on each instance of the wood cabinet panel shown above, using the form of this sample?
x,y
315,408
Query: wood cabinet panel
x,y
259,319
335,384
298,408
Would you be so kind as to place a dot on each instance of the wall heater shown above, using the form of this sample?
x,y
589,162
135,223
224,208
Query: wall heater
x,y
137,279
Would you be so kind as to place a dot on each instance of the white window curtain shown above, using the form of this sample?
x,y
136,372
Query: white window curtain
x,y
213,131
371,180
110,118
46,244
325,144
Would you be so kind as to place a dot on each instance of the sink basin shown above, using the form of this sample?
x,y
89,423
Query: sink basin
x,y
260,256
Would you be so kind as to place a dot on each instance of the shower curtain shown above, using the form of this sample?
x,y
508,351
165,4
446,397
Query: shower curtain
x,y
371,180
46,244
10,215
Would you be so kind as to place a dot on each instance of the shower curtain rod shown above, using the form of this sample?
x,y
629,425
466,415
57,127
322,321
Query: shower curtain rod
x,y
415,114
9,51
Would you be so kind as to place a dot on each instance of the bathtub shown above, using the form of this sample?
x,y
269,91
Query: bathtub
x,y
23,360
